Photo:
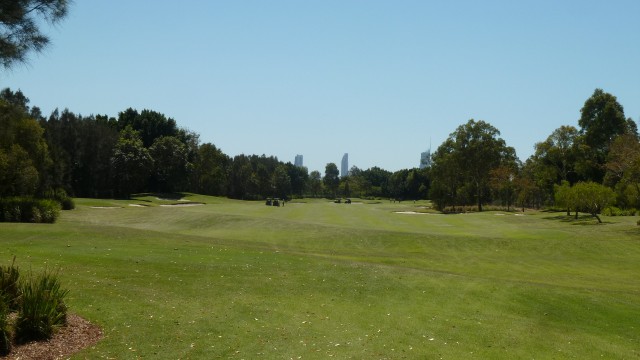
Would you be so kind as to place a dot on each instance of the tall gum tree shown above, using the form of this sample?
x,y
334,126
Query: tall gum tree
x,y
470,153
602,119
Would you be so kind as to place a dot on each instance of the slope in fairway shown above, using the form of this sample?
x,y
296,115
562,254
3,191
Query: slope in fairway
x,y
313,279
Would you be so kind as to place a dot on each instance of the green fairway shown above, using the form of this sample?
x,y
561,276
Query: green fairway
x,y
318,280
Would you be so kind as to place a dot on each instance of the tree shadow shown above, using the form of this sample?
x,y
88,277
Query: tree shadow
x,y
170,196
585,219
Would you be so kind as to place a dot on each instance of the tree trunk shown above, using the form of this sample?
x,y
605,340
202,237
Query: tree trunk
x,y
597,217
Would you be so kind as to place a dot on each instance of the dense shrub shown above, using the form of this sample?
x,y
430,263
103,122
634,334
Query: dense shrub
x,y
42,308
25,209
614,211
5,329
9,285
67,203
60,196
459,209
39,303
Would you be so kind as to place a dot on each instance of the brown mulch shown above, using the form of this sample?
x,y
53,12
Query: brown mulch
x,y
78,334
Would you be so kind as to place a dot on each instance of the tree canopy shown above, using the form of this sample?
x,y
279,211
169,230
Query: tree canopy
x,y
462,165
19,27
146,151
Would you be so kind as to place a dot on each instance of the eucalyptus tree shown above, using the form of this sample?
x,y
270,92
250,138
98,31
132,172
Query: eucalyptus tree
x,y
602,119
315,183
131,163
623,170
592,197
331,179
462,165
170,163
24,154
281,182
149,124
299,176
210,170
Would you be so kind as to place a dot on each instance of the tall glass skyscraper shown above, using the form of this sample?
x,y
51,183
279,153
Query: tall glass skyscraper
x,y
344,169
298,161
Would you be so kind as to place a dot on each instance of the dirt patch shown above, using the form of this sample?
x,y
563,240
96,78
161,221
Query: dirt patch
x,y
78,334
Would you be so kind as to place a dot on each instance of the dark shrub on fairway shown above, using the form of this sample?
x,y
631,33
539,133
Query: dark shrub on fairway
x,y
25,209
614,211
42,308
60,196
9,286
5,330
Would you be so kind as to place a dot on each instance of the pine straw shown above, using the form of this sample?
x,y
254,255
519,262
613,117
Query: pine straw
x,y
78,334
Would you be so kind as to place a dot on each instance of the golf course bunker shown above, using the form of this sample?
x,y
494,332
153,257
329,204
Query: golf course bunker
x,y
411,213
105,207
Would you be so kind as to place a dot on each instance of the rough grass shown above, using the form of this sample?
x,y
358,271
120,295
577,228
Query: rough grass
x,y
234,279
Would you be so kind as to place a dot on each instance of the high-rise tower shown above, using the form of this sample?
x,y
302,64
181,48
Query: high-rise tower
x,y
344,169
425,157
298,161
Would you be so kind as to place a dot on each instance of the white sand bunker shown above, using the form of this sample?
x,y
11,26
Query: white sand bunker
x,y
105,207
411,213
137,205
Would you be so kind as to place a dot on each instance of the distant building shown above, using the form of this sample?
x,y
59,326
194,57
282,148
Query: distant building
x,y
344,169
425,159
298,161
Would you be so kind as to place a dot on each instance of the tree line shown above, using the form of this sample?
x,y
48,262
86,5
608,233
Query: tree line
x,y
599,161
102,156
146,151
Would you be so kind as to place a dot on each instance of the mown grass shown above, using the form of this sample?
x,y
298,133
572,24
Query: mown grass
x,y
314,279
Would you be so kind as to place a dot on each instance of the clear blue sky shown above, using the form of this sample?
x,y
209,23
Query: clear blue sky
x,y
375,79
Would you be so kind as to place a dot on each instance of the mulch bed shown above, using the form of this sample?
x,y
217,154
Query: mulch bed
x,y
78,334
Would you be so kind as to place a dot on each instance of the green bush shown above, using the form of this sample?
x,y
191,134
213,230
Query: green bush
x,y
25,209
10,210
42,308
67,203
9,285
61,196
5,329
50,210
614,211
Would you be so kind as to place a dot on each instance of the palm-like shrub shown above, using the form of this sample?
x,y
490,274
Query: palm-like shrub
x,y
42,308
9,286
5,330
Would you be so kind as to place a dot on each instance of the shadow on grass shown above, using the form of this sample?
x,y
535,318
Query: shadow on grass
x,y
581,220
161,196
